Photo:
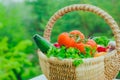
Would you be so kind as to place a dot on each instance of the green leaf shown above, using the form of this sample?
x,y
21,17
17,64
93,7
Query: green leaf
x,y
1,25
102,40
24,44
81,55
51,52
88,51
4,44
63,53
77,62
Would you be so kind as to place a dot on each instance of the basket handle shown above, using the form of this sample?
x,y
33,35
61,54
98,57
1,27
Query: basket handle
x,y
84,7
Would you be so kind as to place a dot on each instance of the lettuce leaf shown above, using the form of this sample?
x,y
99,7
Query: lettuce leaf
x,y
102,40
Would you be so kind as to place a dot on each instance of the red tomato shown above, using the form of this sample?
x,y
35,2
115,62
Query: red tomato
x,y
66,40
92,43
77,34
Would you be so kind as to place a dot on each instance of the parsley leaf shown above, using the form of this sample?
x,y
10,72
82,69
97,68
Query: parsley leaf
x,y
102,40
88,51
63,53
77,62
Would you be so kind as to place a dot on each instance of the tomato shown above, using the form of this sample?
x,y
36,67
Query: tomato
x,y
69,39
77,35
92,43
66,40
80,46
76,39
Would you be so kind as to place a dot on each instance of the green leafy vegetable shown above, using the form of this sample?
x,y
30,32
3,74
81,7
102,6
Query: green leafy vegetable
x,y
103,40
69,53
52,52
88,51
72,53
77,62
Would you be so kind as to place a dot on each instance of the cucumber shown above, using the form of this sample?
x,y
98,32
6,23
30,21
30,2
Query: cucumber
x,y
42,43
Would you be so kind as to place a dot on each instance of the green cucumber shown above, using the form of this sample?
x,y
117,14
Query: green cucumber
x,y
42,43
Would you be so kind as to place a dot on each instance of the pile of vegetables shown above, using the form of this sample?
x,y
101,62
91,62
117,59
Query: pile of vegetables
x,y
74,45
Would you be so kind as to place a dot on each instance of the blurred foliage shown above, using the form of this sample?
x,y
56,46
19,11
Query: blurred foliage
x,y
19,21
91,23
16,48
13,60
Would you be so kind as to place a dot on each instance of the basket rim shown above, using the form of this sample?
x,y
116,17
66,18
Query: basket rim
x,y
42,55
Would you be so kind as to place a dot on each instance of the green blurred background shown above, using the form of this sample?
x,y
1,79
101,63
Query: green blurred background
x,y
21,19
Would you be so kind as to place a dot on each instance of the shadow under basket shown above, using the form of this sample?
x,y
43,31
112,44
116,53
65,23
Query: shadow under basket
x,y
100,68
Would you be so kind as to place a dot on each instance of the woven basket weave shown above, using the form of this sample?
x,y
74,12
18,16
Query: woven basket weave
x,y
100,68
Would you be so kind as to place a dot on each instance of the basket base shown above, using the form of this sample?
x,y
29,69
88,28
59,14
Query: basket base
x,y
42,77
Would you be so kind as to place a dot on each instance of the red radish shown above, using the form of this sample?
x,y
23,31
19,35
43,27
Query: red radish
x,y
101,49
57,45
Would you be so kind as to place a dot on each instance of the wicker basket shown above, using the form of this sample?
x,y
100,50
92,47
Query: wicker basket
x,y
100,68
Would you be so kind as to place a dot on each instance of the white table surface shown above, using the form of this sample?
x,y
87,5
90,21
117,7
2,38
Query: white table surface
x,y
42,77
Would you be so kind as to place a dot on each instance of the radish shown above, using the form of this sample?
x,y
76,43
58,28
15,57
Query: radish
x,y
57,45
101,49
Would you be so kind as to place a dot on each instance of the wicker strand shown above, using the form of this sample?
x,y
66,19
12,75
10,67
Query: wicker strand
x,y
84,7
